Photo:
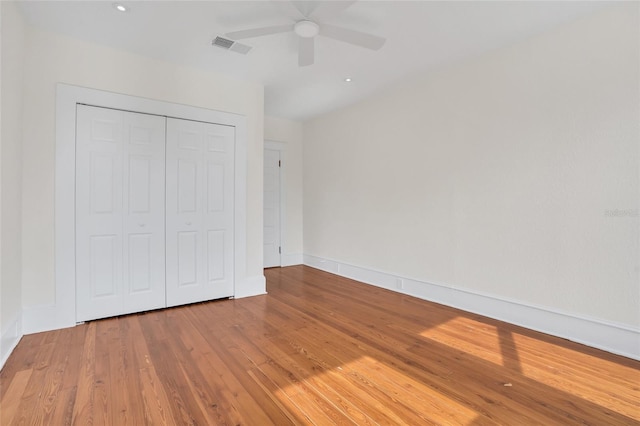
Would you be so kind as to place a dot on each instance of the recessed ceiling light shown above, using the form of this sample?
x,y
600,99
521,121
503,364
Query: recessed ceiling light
x,y
348,79
120,7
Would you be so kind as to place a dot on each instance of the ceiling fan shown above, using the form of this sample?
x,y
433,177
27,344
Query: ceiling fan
x,y
308,17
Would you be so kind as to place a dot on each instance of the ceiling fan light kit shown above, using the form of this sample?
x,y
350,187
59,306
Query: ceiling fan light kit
x,y
307,26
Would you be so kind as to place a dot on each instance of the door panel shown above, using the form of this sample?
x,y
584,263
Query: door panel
x,y
140,184
104,264
271,208
215,255
215,187
99,218
199,211
140,256
187,185
119,212
144,173
187,258
103,181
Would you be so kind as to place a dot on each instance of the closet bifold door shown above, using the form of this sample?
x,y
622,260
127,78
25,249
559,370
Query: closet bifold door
x,y
120,212
200,207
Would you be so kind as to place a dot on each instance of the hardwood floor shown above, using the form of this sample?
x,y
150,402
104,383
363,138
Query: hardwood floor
x,y
318,349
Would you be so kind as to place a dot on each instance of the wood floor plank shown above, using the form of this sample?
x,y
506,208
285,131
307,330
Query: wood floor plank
x,y
205,379
227,391
64,412
318,349
351,358
23,358
336,296
11,398
185,409
314,408
124,363
240,355
29,408
103,410
155,404
84,402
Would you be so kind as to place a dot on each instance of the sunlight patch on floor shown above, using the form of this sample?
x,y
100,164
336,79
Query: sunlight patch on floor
x,y
368,391
455,333
519,355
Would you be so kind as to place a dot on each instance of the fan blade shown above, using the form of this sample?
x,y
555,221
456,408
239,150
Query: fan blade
x,y
365,40
290,9
329,9
306,7
306,51
257,32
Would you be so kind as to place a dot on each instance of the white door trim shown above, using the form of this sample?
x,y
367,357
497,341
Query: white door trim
x,y
63,313
281,146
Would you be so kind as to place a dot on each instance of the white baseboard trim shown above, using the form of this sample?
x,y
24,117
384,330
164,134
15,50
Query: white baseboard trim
x,y
251,286
36,319
291,259
9,339
619,339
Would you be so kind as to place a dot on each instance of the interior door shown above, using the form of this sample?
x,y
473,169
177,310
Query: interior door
x,y
271,208
119,212
200,179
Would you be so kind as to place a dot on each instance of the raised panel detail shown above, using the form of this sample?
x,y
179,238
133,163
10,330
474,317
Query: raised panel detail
x,y
139,263
187,258
215,255
216,143
120,212
102,259
139,136
189,140
139,184
215,187
104,130
102,182
187,186
200,216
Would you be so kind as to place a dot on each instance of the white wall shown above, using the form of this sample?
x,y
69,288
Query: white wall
x,y
499,176
290,133
51,58
12,45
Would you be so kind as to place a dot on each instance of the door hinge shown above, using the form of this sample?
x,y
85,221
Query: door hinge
x,y
279,250
279,163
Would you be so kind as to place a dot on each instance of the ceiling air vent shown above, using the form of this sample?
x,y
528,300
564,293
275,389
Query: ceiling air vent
x,y
231,45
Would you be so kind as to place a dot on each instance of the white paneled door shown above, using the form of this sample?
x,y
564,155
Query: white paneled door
x,y
199,222
120,204
271,208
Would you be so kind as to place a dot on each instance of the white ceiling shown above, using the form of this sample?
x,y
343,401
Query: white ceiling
x,y
421,35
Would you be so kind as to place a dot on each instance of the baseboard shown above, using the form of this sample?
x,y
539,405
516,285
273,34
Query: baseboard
x,y
619,339
251,286
291,259
9,339
37,319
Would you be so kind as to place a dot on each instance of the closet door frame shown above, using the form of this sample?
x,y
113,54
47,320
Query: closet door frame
x,y
63,314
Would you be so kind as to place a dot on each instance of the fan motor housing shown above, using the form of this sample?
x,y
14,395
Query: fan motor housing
x,y
306,28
